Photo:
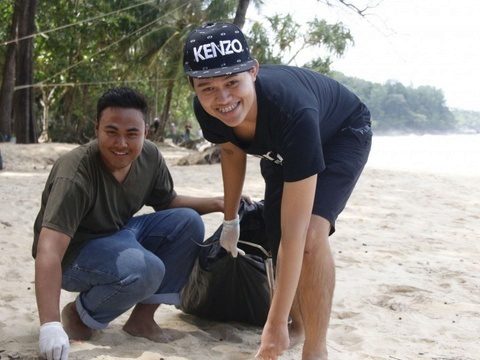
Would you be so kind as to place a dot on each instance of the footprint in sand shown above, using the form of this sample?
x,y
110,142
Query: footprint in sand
x,y
345,314
403,289
389,302
345,336
225,333
232,353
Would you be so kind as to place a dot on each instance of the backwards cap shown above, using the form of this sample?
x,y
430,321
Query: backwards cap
x,y
216,49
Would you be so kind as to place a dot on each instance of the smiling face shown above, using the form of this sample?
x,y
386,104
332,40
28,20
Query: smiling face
x,y
121,133
231,99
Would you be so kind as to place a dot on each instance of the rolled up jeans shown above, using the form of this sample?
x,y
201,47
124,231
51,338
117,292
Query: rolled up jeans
x,y
148,261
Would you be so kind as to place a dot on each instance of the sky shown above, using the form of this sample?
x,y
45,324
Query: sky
x,y
415,42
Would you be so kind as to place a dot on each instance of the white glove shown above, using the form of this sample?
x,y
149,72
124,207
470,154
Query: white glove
x,y
229,236
53,341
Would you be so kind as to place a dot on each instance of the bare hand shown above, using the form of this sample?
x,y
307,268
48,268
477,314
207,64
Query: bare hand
x,y
247,199
219,204
275,341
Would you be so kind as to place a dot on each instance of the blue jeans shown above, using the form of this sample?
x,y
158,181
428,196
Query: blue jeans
x,y
148,261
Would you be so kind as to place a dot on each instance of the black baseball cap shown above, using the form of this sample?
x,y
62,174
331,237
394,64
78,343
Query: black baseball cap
x,y
216,49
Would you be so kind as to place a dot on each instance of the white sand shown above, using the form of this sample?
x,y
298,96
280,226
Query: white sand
x,y
407,255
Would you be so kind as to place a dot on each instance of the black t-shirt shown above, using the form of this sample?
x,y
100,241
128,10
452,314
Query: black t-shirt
x,y
298,112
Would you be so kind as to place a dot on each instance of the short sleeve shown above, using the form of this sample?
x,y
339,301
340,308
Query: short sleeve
x,y
67,205
302,148
163,191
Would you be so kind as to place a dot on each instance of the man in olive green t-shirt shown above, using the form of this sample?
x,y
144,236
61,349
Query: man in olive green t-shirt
x,y
87,239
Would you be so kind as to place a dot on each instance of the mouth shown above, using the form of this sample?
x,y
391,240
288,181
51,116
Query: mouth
x,y
228,109
120,153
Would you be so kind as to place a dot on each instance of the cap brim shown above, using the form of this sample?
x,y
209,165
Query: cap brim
x,y
228,70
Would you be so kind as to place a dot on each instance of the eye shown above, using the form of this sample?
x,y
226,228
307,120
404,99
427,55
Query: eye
x,y
232,83
207,90
132,136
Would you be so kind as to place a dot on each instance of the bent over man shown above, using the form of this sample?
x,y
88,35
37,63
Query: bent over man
x,y
314,137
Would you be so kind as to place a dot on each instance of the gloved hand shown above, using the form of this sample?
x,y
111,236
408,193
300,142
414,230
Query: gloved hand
x,y
53,341
229,236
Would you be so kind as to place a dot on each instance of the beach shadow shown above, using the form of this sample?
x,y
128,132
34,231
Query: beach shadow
x,y
192,338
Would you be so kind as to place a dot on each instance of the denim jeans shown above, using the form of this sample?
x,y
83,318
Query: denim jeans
x,y
148,261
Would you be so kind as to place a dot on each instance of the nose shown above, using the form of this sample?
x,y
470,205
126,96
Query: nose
x,y
223,96
121,141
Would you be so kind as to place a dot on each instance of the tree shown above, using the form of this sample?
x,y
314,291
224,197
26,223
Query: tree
x,y
25,130
332,39
8,79
397,108
77,63
241,13
87,46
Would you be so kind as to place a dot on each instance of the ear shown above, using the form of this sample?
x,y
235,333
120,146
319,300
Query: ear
x,y
254,70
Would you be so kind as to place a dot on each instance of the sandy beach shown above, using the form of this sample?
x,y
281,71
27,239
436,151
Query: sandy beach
x,y
407,256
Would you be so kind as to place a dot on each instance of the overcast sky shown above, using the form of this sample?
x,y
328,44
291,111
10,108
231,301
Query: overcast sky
x,y
416,42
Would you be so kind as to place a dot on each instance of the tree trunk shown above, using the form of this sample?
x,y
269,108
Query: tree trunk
x,y
25,129
165,111
241,13
8,81
46,102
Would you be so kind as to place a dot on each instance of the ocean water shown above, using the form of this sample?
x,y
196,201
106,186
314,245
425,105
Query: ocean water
x,y
437,154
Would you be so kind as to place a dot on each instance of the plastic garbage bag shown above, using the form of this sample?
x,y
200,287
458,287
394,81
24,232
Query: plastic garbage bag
x,y
224,288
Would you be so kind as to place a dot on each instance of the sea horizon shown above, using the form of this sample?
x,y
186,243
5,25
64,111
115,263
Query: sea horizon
x,y
448,154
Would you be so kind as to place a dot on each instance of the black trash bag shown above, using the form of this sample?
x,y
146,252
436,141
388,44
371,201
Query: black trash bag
x,y
224,288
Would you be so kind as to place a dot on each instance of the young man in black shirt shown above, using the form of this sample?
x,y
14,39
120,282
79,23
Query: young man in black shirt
x,y
314,138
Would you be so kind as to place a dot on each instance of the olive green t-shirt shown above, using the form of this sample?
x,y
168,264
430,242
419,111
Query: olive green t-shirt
x,y
83,200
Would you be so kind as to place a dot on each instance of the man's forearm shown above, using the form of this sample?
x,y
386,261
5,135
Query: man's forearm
x,y
233,175
48,273
202,205
48,279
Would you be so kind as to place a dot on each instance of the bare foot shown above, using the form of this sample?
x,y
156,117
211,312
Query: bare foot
x,y
73,325
323,355
150,330
316,352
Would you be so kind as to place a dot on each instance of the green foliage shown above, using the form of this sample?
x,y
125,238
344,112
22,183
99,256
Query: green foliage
x,y
281,36
334,37
260,45
99,44
397,108
220,9
467,121
6,12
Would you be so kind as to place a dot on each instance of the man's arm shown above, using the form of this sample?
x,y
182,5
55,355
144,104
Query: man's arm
x,y
202,205
233,172
48,273
297,204
234,164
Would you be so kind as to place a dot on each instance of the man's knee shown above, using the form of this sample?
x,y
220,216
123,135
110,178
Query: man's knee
x,y
143,277
317,242
190,222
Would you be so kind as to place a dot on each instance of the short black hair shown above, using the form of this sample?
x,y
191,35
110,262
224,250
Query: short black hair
x,y
123,97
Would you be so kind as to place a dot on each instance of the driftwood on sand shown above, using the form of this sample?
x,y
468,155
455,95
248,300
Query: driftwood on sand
x,y
209,155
